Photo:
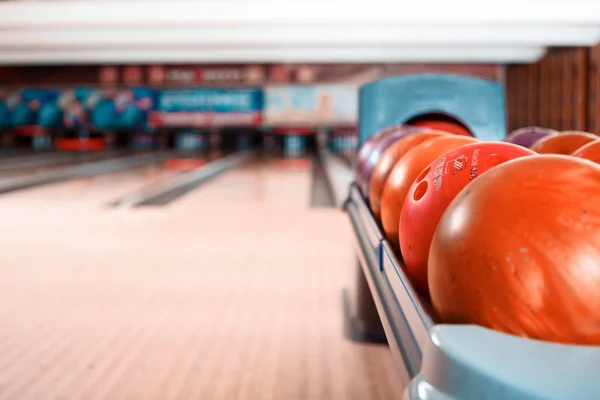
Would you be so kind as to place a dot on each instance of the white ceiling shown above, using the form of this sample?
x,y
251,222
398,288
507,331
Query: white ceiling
x,y
88,31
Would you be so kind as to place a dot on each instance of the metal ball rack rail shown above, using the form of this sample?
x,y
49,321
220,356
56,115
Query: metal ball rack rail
x,y
452,362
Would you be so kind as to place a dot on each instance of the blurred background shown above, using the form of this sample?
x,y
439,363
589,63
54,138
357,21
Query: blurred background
x,y
173,177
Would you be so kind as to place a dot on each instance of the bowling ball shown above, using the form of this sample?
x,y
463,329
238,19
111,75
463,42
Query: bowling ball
x,y
565,143
363,155
518,250
4,115
529,135
82,94
50,114
446,126
430,195
364,170
590,151
131,117
104,115
22,115
388,159
404,173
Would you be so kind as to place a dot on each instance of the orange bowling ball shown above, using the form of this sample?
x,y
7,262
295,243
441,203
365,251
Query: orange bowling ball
x,y
564,143
590,151
387,161
430,195
446,126
518,250
406,170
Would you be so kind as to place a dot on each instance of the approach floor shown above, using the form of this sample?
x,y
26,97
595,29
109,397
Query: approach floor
x,y
231,292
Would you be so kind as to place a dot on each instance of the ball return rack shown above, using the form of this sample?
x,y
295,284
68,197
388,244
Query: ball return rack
x,y
451,362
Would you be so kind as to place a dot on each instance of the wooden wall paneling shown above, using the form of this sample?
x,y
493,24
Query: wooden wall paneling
x,y
568,88
533,98
593,90
519,97
561,101
509,90
543,94
581,88
582,83
513,100
549,92
552,89
523,96
558,89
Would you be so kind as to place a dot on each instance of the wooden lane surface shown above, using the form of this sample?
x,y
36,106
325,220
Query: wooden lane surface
x,y
90,192
213,297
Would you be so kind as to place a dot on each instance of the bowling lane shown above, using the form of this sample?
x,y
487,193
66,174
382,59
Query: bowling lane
x,y
100,190
264,181
13,153
231,292
42,163
92,192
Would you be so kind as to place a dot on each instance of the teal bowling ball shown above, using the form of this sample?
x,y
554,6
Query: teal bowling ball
x,y
4,116
132,117
22,115
50,115
104,115
82,94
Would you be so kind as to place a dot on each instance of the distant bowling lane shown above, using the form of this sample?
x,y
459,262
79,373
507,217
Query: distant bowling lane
x,y
231,292
94,191
264,181
54,164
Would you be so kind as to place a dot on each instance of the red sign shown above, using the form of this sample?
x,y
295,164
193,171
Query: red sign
x,y
294,130
228,75
159,119
108,75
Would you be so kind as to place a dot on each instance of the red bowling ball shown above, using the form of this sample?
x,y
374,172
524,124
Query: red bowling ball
x,y
590,151
432,192
518,251
404,173
443,125
565,143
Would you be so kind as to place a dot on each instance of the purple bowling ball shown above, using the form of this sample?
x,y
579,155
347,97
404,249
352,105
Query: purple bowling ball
x,y
529,135
377,144
363,154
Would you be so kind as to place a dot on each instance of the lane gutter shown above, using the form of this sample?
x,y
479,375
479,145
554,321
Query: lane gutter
x,y
169,190
339,174
54,160
79,171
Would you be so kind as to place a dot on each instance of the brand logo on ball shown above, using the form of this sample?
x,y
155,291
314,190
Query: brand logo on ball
x,y
474,162
457,164
437,173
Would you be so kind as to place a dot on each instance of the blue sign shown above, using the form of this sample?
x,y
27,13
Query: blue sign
x,y
204,107
210,100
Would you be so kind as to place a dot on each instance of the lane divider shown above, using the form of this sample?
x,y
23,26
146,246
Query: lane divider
x,y
53,159
78,171
339,174
184,182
